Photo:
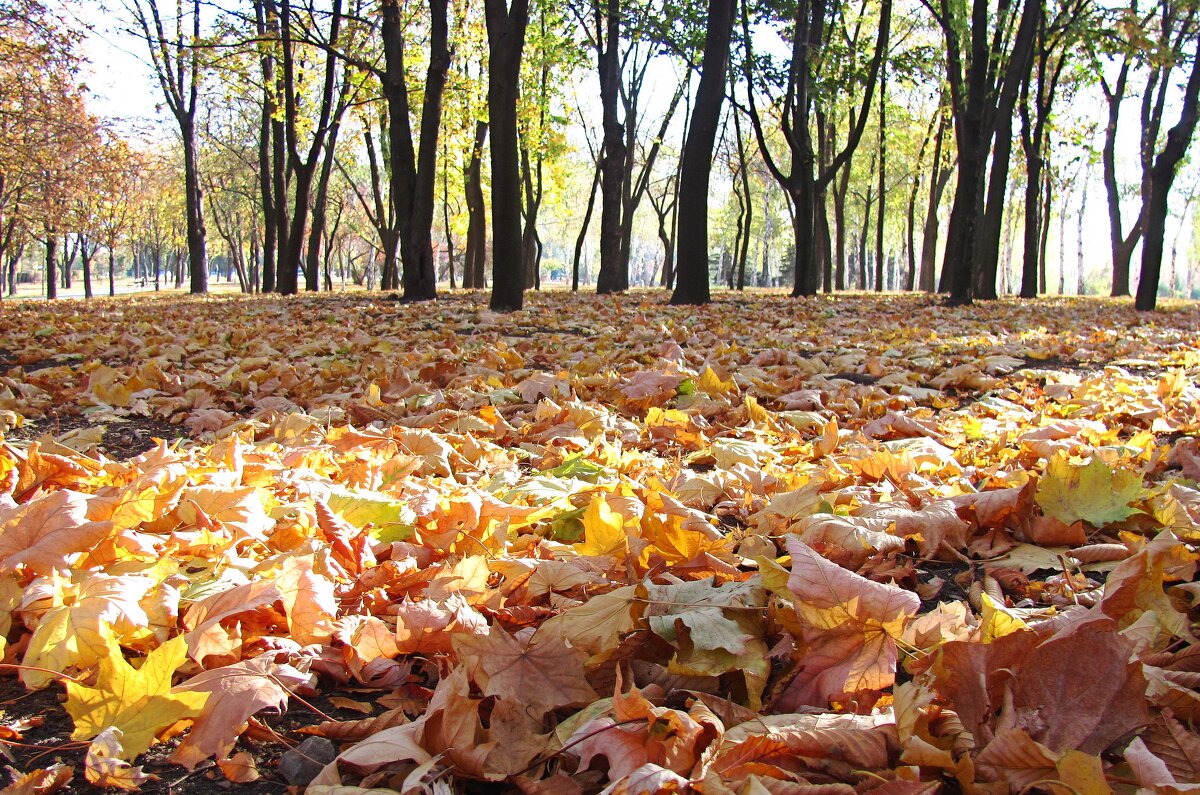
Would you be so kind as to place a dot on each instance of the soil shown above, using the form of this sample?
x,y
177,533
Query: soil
x,y
124,438
50,742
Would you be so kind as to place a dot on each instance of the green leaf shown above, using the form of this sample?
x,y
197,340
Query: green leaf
x,y
567,527
579,468
391,520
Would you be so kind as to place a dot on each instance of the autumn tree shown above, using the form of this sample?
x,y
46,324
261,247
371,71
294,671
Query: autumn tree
x,y
987,57
794,99
175,56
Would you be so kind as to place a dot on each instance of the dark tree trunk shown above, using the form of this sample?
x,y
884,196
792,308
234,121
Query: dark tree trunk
x,y
316,235
993,212
842,187
929,232
882,175
746,215
475,268
614,151
265,172
304,169
1122,244
581,238
51,242
446,216
414,172
977,94
85,257
506,41
692,278
1161,176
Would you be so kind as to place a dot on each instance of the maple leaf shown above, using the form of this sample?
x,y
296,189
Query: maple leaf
x,y
138,701
715,629
44,534
308,600
1094,493
604,531
597,626
850,625
234,693
76,633
540,673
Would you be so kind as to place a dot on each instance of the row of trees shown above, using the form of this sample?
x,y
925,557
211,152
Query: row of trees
x,y
300,120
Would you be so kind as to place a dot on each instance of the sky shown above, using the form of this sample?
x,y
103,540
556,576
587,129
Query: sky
x,y
120,80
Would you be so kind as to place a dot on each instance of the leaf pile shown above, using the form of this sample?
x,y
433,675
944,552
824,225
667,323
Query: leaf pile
x,y
858,544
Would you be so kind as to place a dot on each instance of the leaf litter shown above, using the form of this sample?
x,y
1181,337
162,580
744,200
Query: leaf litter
x,y
852,544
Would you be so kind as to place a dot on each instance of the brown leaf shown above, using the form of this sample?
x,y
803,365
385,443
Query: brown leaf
x,y
235,693
1176,745
540,673
41,782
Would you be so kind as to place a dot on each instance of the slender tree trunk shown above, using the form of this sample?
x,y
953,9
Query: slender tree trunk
x,y
446,216
839,214
1080,287
692,280
581,238
879,218
51,242
746,217
476,255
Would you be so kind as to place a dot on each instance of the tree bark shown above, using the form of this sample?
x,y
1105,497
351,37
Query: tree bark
x,y
51,242
475,267
581,238
1161,176
506,41
692,272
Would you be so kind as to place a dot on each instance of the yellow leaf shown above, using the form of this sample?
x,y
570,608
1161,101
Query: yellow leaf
x,y
138,701
604,531
76,633
1094,493
997,622
710,383
1083,773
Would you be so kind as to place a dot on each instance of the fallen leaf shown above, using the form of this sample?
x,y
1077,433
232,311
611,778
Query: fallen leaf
x,y
138,701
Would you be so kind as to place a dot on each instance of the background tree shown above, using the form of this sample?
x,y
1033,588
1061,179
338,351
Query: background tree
x,y
175,57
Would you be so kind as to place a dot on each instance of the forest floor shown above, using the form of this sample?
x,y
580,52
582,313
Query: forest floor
x,y
869,543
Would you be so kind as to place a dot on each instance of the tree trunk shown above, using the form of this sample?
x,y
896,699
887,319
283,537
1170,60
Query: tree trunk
x,y
614,150
265,169
51,242
506,41
475,268
692,279
414,180
581,238
197,235
1162,174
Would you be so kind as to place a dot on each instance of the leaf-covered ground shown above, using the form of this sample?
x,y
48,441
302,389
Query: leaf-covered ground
x,y
824,546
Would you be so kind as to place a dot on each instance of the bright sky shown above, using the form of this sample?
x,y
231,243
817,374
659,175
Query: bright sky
x,y
122,85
